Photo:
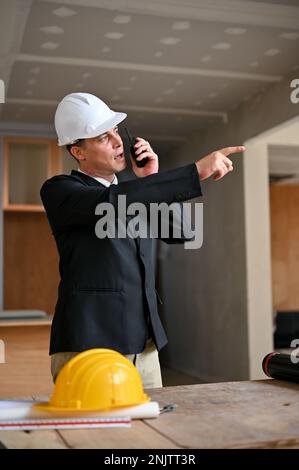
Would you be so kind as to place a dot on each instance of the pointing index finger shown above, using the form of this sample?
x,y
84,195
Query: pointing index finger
x,y
228,150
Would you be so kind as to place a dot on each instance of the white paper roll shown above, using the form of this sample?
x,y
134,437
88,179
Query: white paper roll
x,y
147,410
13,409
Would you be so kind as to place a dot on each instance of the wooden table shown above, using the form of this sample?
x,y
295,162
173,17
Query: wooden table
x,y
254,414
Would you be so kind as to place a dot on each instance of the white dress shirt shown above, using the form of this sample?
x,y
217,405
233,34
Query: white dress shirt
x,y
102,180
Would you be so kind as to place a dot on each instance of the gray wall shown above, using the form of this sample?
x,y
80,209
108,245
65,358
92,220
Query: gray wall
x,y
205,291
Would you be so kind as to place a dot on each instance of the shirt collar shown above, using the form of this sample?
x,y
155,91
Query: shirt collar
x,y
102,180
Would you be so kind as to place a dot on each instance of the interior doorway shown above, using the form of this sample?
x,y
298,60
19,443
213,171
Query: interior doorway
x,y
271,185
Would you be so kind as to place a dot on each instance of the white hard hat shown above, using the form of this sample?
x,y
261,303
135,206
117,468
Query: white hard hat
x,y
82,116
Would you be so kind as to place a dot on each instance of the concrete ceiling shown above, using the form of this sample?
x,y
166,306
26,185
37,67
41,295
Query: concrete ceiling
x,y
174,66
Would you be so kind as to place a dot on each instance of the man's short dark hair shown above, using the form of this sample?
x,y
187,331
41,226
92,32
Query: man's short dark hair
x,y
77,143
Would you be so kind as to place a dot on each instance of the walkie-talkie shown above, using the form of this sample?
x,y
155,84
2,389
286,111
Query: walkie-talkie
x,y
132,141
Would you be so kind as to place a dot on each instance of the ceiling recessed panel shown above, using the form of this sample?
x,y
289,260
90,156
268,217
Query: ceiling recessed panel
x,y
97,33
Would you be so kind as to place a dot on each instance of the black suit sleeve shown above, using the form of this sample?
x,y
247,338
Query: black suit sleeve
x,y
69,202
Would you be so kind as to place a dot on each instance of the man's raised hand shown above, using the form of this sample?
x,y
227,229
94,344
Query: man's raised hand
x,y
217,164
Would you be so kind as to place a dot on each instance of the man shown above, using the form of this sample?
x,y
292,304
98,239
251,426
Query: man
x,y
107,296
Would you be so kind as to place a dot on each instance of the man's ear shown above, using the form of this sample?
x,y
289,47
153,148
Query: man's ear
x,y
77,152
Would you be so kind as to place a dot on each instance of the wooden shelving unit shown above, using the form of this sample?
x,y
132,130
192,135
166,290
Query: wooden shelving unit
x,y
31,273
47,156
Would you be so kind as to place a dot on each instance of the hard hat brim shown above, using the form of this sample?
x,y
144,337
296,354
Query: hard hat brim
x,y
46,406
105,126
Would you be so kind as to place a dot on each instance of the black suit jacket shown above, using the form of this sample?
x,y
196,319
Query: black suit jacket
x,y
106,295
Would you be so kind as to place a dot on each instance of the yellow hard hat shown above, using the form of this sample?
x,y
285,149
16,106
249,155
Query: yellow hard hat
x,y
96,379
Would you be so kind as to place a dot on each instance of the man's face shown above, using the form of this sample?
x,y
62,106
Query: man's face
x,y
102,155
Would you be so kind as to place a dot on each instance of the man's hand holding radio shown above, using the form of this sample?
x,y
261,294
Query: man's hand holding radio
x,y
143,150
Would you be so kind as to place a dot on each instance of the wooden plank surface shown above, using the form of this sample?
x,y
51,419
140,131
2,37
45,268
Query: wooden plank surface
x,y
139,436
255,414
46,439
